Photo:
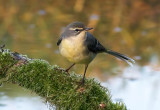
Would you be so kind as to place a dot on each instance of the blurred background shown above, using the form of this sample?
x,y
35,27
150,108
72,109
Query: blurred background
x,y
131,27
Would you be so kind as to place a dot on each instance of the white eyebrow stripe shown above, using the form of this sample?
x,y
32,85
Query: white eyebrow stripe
x,y
75,28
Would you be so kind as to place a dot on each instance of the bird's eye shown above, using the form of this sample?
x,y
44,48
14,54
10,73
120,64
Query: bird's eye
x,y
76,30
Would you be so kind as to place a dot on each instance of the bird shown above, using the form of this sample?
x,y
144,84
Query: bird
x,y
80,47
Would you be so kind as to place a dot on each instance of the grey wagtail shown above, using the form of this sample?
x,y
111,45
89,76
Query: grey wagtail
x,y
81,47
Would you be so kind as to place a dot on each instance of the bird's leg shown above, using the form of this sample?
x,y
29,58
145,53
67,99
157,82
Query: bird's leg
x,y
69,67
83,79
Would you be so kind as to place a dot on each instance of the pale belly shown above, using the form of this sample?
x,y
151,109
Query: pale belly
x,y
75,51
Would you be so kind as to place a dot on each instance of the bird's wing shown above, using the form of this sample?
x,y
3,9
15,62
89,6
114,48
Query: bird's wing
x,y
93,44
95,47
60,39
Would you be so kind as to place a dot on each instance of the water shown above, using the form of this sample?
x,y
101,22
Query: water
x,y
13,97
137,87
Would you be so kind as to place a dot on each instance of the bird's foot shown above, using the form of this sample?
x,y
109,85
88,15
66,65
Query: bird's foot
x,y
67,71
81,83
63,70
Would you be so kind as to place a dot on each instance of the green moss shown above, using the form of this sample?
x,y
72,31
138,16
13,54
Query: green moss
x,y
56,86
6,62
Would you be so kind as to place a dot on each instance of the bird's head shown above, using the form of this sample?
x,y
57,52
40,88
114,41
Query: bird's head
x,y
75,28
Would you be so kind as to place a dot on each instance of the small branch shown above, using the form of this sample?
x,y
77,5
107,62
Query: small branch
x,y
53,84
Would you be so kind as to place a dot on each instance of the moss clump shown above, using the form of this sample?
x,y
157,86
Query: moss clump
x,y
56,86
6,62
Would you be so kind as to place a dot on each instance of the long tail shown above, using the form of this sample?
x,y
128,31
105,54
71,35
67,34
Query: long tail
x,y
130,61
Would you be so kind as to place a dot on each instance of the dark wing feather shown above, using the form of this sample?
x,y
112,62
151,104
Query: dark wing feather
x,y
95,47
59,41
93,44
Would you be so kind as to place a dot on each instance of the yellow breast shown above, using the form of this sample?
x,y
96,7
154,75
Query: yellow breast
x,y
74,50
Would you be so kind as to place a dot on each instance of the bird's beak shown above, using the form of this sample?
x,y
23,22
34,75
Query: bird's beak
x,y
87,29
